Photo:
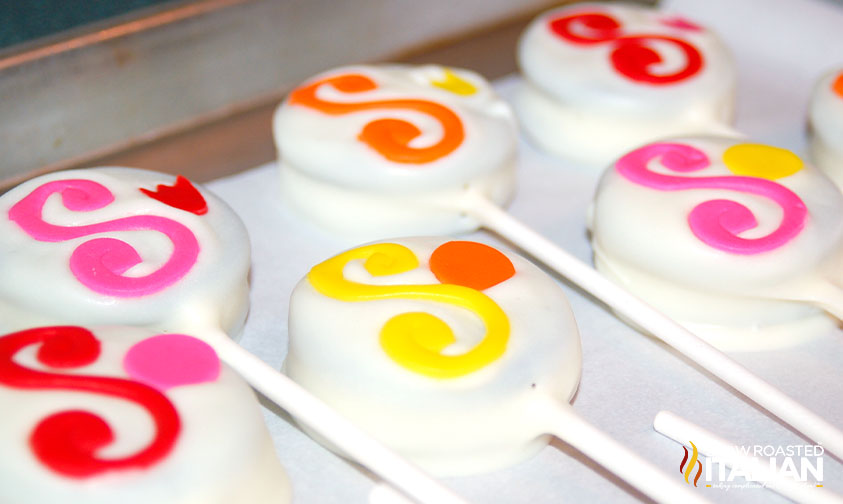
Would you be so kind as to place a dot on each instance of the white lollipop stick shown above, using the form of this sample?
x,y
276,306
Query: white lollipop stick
x,y
569,426
315,414
657,324
709,444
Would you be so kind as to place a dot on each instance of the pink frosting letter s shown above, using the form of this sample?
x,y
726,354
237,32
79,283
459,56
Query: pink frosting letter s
x,y
716,222
99,263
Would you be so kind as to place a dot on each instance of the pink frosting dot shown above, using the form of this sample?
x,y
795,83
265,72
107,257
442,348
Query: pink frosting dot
x,y
172,360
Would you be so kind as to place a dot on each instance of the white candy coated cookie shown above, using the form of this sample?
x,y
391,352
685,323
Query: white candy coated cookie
x,y
718,233
120,414
91,247
376,151
441,350
826,122
601,79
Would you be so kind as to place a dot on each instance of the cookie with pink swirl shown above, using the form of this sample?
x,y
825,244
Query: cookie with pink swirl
x,y
600,79
739,241
123,414
120,246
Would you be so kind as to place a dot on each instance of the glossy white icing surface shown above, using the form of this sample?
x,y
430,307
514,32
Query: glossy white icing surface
x,y
825,117
450,426
39,288
330,176
642,239
577,105
223,453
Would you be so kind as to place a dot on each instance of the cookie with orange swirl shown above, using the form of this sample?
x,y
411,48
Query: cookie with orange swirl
x,y
376,151
825,117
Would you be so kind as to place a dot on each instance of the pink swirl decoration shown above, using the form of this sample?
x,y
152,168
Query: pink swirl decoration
x,y
716,222
99,263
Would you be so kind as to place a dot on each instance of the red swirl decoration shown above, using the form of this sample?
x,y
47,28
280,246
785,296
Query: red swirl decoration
x,y
631,56
67,442
600,28
390,137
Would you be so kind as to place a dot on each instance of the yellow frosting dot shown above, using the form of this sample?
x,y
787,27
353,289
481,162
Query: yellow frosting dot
x,y
763,161
455,84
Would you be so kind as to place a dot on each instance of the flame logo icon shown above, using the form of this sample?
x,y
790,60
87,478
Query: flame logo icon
x,y
688,470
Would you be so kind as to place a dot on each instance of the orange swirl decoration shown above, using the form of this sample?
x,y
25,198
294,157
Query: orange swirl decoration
x,y
390,137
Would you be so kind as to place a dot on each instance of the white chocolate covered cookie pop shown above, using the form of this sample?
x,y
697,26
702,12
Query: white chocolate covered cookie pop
x,y
438,347
825,117
121,414
740,242
460,357
601,79
374,151
121,246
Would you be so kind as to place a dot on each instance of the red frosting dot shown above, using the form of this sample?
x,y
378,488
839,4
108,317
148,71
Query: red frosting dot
x,y
470,264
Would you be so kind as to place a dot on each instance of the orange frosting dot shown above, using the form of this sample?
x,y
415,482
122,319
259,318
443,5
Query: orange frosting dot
x,y
470,264
837,86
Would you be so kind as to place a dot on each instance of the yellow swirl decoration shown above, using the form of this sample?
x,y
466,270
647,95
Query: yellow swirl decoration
x,y
415,340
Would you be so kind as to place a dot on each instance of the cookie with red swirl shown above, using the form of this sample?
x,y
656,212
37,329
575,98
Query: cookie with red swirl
x,y
123,414
600,79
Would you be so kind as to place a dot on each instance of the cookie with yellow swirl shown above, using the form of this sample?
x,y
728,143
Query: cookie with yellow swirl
x,y
437,348
741,242
376,151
